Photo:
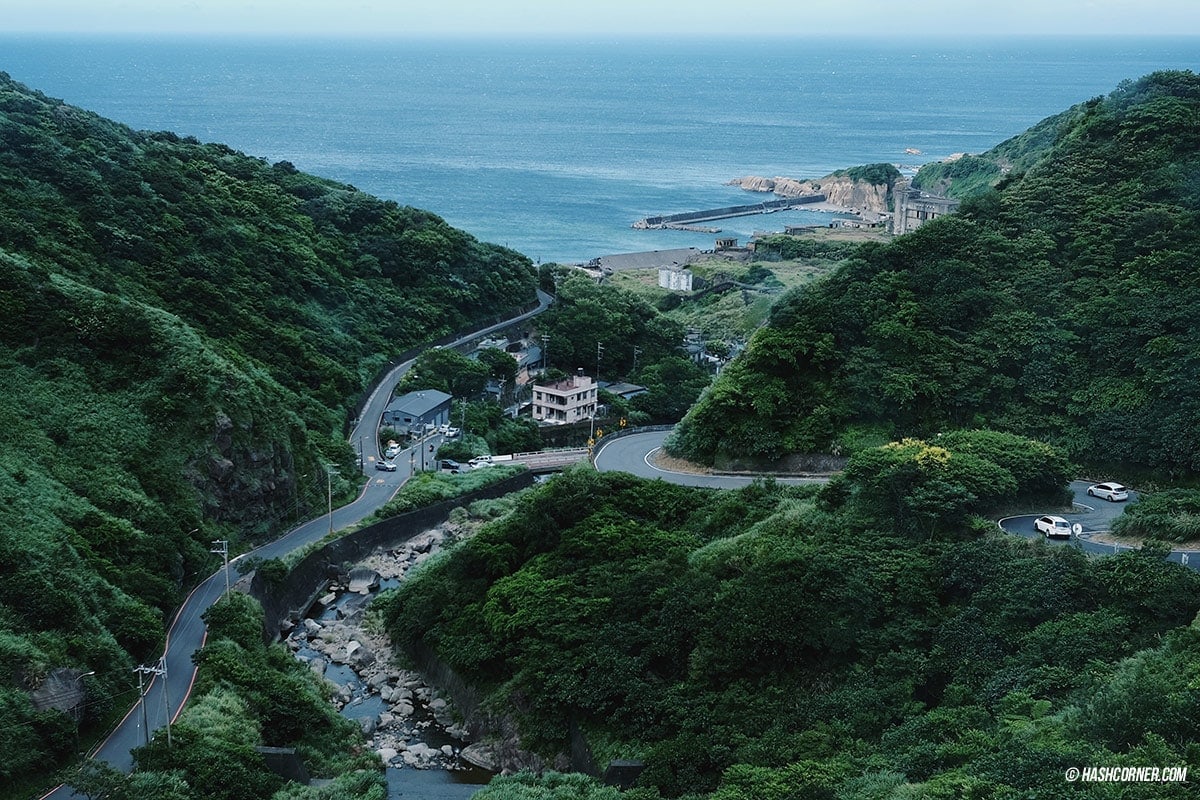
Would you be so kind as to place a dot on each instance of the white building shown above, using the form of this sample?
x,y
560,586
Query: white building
x,y
569,400
677,280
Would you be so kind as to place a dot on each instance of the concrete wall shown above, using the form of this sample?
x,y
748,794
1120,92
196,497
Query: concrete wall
x,y
308,578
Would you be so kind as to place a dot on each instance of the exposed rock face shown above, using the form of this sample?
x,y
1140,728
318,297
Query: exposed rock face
x,y
839,190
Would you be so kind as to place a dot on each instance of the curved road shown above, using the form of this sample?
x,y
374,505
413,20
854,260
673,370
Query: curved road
x,y
634,453
170,691
1095,516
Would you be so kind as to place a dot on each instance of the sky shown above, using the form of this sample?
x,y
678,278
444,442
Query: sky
x,y
582,18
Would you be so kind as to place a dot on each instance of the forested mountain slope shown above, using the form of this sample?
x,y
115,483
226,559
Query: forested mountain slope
x,y
1061,305
868,639
182,330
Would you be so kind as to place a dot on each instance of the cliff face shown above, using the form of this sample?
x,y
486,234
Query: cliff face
x,y
840,190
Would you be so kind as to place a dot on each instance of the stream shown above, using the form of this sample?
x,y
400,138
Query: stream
x,y
406,722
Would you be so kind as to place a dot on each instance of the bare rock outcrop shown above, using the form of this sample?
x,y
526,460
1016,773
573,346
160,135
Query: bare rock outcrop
x,y
839,190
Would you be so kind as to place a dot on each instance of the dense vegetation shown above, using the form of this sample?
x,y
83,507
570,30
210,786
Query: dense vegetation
x,y
973,173
247,695
865,640
1060,306
183,329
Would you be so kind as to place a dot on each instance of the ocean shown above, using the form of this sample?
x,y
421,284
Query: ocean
x,y
555,148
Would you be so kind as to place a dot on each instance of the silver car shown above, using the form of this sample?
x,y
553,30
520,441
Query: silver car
x,y
1112,492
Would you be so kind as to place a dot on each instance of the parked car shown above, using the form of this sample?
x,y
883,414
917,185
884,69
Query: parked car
x,y
1109,491
1052,527
386,466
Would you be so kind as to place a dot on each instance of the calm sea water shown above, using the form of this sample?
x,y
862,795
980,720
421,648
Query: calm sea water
x,y
556,148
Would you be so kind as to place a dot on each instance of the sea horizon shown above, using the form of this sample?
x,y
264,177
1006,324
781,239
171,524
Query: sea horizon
x,y
556,146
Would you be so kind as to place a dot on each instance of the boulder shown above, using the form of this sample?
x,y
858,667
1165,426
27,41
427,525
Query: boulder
x,y
386,755
363,580
482,755
363,657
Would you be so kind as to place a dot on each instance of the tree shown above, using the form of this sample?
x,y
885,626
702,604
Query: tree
x,y
499,364
446,370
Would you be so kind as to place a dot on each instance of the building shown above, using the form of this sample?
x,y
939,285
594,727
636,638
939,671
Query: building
x,y
914,208
677,280
414,412
569,400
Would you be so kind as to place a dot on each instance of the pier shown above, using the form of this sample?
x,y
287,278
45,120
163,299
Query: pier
x,y
688,219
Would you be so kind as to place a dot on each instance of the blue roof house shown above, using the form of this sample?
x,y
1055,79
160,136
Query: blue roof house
x,y
410,413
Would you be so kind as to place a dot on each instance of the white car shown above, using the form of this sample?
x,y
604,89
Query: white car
x,y
385,466
1052,527
1112,492
480,461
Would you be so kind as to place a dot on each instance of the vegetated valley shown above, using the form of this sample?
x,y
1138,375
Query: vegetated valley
x,y
183,327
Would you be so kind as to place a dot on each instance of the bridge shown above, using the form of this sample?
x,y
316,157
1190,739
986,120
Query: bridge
x,y
545,460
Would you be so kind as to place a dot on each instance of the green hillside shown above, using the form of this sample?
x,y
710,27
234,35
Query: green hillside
x,y
871,640
183,330
1061,305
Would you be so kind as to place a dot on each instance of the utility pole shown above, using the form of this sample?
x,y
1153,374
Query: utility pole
x,y
599,352
545,351
143,687
636,352
221,548
329,494
162,665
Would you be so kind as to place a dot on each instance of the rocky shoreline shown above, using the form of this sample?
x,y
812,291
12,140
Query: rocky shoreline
x,y
408,724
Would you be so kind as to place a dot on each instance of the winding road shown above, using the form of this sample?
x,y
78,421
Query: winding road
x,y
167,692
634,453
1095,516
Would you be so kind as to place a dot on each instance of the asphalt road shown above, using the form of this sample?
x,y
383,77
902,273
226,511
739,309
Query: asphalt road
x,y
634,453
1096,517
167,692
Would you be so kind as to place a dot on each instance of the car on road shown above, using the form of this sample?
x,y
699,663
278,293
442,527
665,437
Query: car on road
x,y
1052,527
386,466
449,465
480,461
1112,492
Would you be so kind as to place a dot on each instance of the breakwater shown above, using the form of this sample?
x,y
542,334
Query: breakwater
x,y
688,219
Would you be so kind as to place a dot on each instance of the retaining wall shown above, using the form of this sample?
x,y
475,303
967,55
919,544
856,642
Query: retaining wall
x,y
305,582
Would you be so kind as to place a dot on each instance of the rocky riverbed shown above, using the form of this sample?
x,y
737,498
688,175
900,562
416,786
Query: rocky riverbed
x,y
408,724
